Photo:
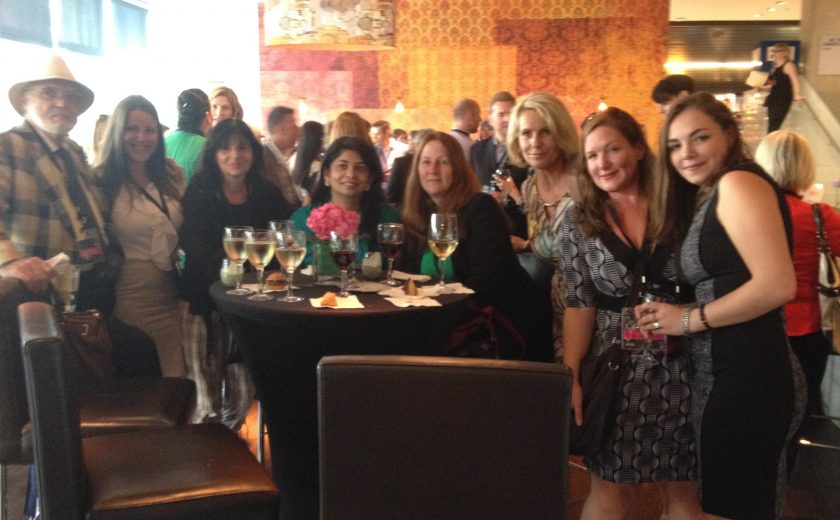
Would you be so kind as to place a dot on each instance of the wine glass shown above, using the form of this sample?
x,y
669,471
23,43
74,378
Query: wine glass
x,y
502,176
259,249
234,243
443,239
344,248
282,225
291,248
390,237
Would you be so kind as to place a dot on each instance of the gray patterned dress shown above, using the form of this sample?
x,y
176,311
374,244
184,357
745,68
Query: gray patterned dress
x,y
748,392
650,438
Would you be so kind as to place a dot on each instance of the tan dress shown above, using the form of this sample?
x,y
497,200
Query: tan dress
x,y
146,292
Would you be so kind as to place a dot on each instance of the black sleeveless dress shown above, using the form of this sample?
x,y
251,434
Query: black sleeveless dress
x,y
748,390
779,99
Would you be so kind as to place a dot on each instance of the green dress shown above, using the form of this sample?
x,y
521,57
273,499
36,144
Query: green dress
x,y
326,265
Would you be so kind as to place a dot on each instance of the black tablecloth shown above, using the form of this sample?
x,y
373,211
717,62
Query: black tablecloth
x,y
282,344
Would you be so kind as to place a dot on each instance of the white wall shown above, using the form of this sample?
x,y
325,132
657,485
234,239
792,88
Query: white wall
x,y
190,43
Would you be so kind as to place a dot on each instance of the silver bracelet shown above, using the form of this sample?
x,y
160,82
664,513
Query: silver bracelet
x,y
686,314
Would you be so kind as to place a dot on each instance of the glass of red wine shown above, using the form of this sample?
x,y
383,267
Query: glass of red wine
x,y
390,237
344,248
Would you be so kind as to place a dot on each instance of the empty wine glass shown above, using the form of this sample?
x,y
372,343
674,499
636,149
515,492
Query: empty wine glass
x,y
282,225
259,248
443,239
390,237
291,248
502,177
344,250
234,243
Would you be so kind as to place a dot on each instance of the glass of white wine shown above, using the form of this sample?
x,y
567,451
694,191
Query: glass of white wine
x,y
291,248
259,249
502,177
443,239
234,243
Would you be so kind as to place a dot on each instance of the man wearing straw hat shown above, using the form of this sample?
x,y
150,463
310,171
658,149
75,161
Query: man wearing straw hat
x,y
50,204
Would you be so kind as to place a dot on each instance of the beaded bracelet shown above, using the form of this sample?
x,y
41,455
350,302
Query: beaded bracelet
x,y
685,318
703,317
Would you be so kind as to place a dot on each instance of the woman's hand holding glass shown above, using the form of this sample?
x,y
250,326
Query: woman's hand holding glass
x,y
291,248
344,248
259,249
390,237
659,317
234,244
443,239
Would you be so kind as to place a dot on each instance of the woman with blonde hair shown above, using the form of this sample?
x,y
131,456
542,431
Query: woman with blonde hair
x,y
784,86
348,124
787,157
543,137
441,181
224,104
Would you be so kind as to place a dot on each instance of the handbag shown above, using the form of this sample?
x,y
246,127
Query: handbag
x,y
90,343
828,281
599,379
486,334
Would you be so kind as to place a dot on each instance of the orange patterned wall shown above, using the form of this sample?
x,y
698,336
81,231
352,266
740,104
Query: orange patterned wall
x,y
580,50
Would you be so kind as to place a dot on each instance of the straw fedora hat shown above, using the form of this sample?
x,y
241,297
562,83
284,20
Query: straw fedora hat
x,y
53,69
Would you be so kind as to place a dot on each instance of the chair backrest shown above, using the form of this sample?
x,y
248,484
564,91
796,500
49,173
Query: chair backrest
x,y
54,410
444,438
13,408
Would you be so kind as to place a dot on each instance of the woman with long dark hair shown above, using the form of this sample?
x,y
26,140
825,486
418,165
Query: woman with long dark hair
x,y
310,147
228,190
748,392
144,191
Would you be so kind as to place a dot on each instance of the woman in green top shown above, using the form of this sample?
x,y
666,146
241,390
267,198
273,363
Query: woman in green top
x,y
351,176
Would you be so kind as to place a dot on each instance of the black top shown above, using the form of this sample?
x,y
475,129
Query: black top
x,y
398,179
485,262
484,162
782,90
206,213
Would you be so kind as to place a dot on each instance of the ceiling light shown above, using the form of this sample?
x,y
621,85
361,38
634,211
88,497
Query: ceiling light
x,y
757,15
674,66
399,107
771,9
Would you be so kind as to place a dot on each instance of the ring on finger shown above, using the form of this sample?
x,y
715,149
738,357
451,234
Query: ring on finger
x,y
656,325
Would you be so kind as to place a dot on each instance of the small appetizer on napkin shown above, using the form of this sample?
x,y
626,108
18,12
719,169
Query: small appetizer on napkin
x,y
410,288
329,300
275,281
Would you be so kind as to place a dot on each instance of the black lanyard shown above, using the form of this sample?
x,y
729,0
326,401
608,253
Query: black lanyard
x,y
159,205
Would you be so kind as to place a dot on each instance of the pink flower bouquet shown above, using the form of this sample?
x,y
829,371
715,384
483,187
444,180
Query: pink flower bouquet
x,y
332,217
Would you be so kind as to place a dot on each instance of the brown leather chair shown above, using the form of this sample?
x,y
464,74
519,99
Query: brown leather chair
x,y
196,472
443,438
116,406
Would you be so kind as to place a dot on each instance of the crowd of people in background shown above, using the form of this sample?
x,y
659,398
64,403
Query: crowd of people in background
x,y
605,217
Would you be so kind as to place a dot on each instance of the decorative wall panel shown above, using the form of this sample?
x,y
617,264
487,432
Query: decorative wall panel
x,y
580,50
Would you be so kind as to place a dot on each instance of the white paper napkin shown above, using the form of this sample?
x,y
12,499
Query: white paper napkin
x,y
59,262
254,287
426,291
350,302
366,286
459,288
399,275
414,302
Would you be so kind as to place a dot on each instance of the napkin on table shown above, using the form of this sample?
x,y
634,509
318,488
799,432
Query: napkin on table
x,y
349,302
399,275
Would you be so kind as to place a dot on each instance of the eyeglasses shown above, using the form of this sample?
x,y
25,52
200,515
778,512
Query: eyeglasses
x,y
51,94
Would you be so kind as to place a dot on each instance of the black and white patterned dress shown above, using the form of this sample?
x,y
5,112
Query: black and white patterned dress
x,y
651,438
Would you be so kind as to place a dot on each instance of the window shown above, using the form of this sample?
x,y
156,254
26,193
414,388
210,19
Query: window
x,y
81,26
26,21
129,25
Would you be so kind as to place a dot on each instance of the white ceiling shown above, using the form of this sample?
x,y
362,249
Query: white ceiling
x,y
741,10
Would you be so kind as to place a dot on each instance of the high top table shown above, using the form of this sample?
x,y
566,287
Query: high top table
x,y
282,344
